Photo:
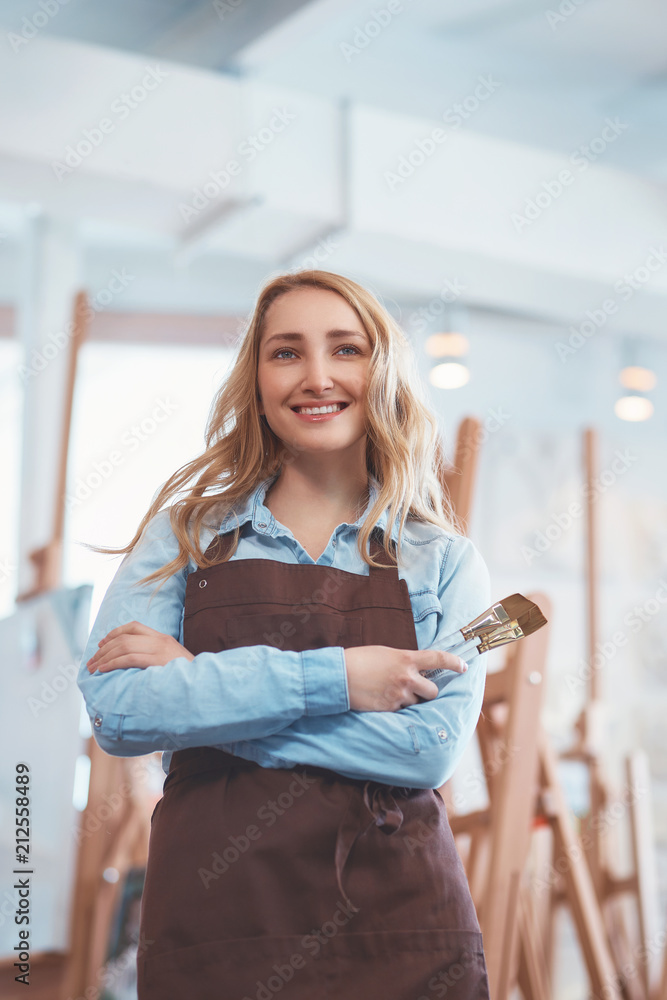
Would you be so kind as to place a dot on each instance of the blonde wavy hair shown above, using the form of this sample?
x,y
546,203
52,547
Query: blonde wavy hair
x,y
404,449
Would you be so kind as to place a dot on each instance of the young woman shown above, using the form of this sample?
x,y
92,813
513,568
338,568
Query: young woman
x,y
269,631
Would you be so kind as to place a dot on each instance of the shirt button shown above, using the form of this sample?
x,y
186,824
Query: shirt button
x,y
97,721
442,733
261,524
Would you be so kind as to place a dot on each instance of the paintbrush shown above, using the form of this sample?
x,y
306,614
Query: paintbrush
x,y
505,621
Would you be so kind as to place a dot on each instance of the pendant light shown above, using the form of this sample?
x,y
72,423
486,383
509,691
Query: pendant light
x,y
448,348
637,379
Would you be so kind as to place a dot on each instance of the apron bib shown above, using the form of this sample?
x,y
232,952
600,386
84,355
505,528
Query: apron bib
x,y
301,883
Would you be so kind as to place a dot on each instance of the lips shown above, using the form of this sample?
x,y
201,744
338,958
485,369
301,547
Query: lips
x,y
313,406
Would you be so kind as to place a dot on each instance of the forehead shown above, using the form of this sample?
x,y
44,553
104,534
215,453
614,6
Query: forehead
x,y
309,309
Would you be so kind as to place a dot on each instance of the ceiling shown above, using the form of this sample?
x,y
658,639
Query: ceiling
x,y
559,82
561,74
197,32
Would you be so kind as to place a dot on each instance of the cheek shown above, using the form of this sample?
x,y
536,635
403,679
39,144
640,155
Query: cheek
x,y
359,386
268,385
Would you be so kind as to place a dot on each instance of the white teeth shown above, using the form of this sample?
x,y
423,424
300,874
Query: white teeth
x,y
319,409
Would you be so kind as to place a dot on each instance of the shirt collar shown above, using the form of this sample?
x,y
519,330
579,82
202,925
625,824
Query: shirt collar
x,y
263,521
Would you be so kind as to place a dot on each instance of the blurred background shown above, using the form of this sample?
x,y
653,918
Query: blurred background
x,y
494,171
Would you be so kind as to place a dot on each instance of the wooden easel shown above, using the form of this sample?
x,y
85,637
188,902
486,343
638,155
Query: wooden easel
x,y
113,837
109,838
459,479
115,824
508,734
47,560
526,802
602,854
524,792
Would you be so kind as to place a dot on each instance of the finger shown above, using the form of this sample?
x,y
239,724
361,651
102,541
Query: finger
x,y
131,628
131,644
425,688
436,659
124,662
422,690
459,668
97,662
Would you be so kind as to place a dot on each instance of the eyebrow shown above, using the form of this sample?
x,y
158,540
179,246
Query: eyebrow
x,y
331,335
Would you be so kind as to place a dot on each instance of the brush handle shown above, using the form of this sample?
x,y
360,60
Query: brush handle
x,y
462,649
466,650
447,641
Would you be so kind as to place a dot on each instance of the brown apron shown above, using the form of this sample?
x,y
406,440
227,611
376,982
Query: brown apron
x,y
301,883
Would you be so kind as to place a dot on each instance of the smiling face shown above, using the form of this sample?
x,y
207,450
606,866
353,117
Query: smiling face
x,y
314,352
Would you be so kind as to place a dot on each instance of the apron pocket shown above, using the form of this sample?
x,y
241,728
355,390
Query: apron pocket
x,y
298,632
398,965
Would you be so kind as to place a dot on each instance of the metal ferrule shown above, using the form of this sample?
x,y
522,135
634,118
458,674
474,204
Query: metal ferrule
x,y
486,622
500,635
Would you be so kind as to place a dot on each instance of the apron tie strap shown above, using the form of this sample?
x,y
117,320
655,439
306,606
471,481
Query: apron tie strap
x,y
377,800
382,804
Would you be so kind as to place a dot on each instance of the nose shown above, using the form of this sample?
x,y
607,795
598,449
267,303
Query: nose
x,y
316,375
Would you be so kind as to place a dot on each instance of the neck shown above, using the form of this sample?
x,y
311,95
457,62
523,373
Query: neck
x,y
324,498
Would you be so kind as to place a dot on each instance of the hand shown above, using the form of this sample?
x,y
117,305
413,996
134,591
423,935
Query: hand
x,y
135,645
384,679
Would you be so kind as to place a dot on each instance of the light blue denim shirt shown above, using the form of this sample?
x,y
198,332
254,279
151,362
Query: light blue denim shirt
x,y
278,707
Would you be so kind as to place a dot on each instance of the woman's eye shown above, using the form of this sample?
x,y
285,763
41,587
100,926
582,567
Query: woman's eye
x,y
345,347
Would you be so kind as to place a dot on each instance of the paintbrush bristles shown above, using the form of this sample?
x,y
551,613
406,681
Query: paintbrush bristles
x,y
514,605
525,612
532,621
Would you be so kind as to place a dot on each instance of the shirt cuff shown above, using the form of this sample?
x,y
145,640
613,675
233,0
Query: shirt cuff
x,y
325,681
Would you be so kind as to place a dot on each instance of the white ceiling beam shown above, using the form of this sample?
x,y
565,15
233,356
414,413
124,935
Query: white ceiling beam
x,y
429,192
